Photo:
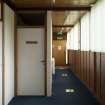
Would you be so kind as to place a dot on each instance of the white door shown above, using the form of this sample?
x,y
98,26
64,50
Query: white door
x,y
0,63
31,73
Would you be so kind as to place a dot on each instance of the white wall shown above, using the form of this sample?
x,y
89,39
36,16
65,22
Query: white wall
x,y
76,36
0,63
73,38
85,29
49,53
9,53
97,25
92,28
101,11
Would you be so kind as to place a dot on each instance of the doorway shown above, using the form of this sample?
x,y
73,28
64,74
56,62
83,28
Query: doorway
x,y
1,71
31,71
30,54
60,29
59,52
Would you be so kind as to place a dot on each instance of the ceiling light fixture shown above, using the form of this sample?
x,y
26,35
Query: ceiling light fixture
x,y
53,1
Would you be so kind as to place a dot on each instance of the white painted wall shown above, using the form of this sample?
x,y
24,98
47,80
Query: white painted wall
x,y
49,53
0,63
9,53
97,27
72,38
85,29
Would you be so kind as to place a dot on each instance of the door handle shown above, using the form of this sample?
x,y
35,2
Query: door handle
x,y
43,61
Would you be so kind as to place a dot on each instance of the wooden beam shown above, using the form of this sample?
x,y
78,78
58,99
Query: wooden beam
x,y
61,26
57,8
51,7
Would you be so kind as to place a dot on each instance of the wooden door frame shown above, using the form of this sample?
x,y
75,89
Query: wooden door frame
x,y
16,54
3,67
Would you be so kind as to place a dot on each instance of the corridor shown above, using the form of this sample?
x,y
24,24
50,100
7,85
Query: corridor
x,y
39,36
62,80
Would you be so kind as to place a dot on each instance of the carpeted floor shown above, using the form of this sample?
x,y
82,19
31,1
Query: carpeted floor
x,y
63,79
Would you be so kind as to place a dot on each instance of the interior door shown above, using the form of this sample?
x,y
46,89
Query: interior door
x,y
59,52
0,63
31,73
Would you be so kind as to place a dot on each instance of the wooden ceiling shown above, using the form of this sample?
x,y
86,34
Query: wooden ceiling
x,y
72,10
47,3
66,18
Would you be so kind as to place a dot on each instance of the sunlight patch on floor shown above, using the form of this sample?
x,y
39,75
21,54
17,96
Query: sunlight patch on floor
x,y
70,90
64,75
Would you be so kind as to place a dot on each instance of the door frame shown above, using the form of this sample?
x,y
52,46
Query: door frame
x,y
3,69
16,53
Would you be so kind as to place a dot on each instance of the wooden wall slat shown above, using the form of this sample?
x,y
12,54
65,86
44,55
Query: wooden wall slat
x,y
90,68
92,71
82,65
76,62
85,69
73,60
98,74
70,58
79,63
103,76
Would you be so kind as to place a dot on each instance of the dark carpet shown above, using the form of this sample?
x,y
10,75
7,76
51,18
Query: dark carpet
x,y
81,95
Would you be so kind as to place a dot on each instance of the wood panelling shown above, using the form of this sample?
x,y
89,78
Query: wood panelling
x,y
103,76
85,69
90,68
98,74
70,58
59,22
77,62
82,65
91,74
75,9
48,3
74,59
